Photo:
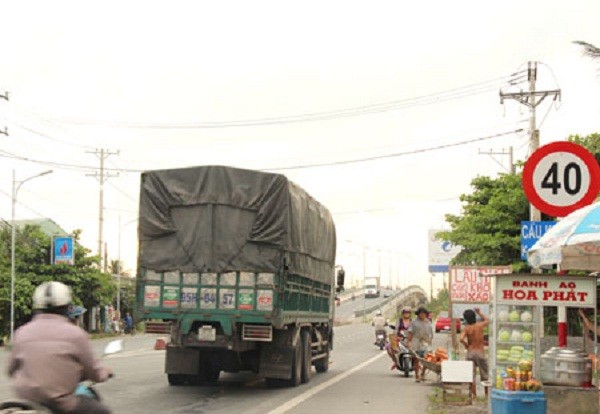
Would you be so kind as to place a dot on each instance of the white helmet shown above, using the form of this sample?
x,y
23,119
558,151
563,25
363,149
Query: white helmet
x,y
378,313
51,295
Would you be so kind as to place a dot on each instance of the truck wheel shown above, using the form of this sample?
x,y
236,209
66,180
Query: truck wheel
x,y
322,365
306,356
176,379
297,366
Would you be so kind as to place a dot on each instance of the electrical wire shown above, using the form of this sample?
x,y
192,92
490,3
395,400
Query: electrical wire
x,y
398,154
79,167
24,205
456,93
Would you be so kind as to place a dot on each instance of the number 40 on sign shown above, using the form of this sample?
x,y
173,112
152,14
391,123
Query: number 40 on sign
x,y
561,177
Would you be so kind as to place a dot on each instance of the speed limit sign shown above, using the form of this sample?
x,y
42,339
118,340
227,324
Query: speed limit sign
x,y
560,178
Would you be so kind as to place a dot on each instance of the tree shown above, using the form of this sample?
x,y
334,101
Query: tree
x,y
590,142
489,229
90,286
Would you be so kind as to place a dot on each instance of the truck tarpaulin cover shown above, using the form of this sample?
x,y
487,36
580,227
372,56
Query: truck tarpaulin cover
x,y
218,219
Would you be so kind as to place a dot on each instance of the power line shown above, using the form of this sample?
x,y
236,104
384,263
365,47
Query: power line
x,y
80,167
456,93
24,205
397,154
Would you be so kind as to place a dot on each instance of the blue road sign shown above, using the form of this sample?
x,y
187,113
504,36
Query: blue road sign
x,y
532,231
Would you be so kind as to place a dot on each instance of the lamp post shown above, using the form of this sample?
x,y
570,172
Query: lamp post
x,y
16,185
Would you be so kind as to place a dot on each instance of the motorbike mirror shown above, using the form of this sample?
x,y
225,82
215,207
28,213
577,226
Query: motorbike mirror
x,y
392,326
113,347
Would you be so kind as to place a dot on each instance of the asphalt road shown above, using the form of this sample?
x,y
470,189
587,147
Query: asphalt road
x,y
359,379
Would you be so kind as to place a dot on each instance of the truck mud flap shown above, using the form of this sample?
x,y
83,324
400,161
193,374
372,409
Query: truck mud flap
x,y
182,360
276,362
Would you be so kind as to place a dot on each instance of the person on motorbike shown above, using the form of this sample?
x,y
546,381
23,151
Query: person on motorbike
x,y
401,326
420,338
379,323
404,320
51,356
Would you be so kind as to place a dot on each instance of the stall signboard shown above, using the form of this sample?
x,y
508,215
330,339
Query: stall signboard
x,y
470,284
546,291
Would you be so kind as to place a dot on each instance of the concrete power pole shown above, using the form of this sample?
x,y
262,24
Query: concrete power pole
x,y
5,132
532,99
102,154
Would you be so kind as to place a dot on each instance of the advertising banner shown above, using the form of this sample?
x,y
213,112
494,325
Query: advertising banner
x,y
63,250
440,252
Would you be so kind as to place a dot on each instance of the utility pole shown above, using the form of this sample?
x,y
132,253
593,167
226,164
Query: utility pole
x,y
511,164
5,132
102,154
531,99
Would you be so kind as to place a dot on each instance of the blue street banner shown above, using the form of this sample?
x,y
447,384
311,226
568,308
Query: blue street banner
x,y
531,232
63,250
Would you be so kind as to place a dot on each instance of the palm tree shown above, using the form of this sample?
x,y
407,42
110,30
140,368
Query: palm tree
x,y
589,49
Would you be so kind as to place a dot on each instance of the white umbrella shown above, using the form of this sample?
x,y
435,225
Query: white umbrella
x,y
573,243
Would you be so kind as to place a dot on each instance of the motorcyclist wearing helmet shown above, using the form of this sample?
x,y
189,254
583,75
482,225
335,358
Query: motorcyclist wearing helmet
x,y
379,323
402,325
50,356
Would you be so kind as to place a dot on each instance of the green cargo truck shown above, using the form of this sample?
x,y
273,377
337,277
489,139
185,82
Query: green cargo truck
x,y
241,263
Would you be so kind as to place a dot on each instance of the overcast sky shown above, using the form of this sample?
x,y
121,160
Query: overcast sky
x,y
410,88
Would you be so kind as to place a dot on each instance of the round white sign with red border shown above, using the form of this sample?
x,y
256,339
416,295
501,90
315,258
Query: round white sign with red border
x,y
560,178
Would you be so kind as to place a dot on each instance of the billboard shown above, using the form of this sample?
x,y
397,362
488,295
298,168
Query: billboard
x,y
440,252
63,251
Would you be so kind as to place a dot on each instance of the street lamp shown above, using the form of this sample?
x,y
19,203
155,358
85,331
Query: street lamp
x,y
16,185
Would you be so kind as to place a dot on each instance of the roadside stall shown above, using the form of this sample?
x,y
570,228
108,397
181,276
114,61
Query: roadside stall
x,y
523,375
572,244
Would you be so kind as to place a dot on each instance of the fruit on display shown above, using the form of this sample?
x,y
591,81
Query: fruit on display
x,y
502,355
516,336
533,385
526,316
504,335
503,316
514,316
527,336
525,365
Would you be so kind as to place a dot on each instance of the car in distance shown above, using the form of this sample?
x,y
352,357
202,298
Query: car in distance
x,y
443,322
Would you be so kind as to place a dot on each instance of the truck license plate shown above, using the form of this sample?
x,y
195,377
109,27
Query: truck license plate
x,y
207,333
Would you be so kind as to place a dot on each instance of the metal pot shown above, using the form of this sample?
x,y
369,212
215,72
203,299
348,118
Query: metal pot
x,y
566,366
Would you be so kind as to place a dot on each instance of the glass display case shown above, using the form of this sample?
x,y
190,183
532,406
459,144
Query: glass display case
x,y
517,342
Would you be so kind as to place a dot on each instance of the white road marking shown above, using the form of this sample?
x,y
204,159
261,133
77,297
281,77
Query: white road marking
x,y
306,395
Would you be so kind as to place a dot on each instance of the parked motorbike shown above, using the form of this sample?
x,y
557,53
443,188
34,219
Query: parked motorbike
x,y
86,389
402,355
